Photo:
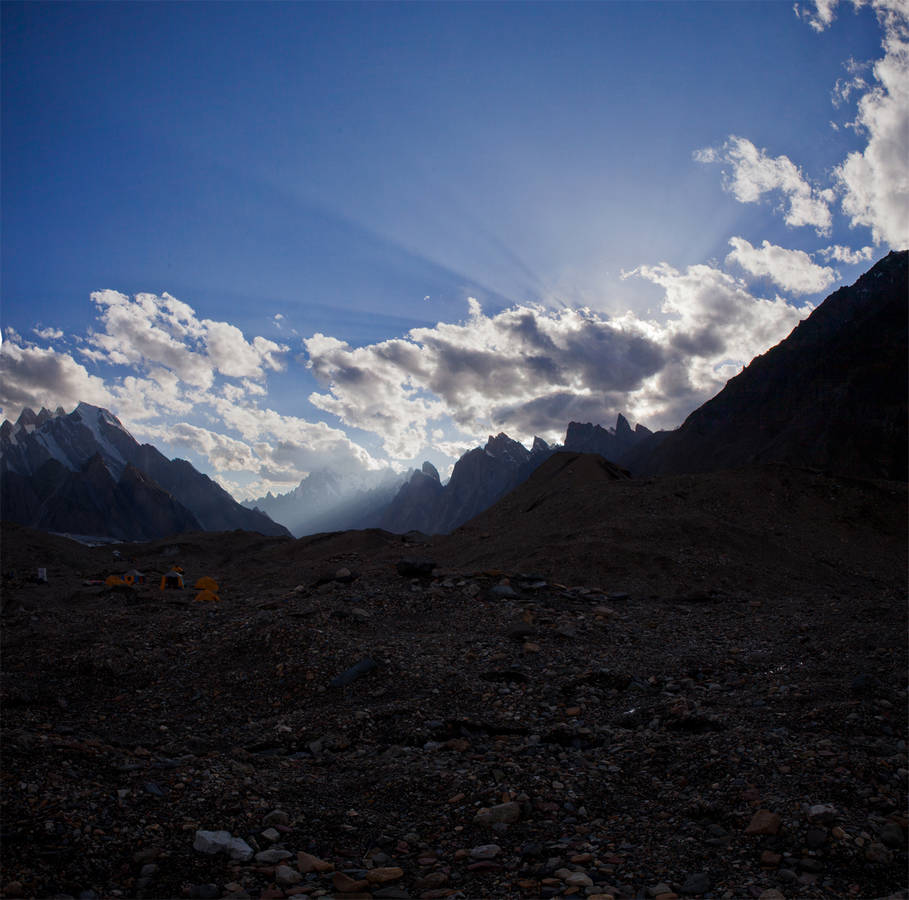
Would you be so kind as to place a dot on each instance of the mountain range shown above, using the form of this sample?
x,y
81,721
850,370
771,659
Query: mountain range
x,y
831,396
84,473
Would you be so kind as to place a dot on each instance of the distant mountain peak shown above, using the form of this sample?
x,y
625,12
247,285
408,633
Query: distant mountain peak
x,y
97,464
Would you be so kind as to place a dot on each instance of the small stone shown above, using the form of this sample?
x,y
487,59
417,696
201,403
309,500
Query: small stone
x,y
271,834
815,838
391,893
809,864
221,841
485,851
506,813
657,889
270,857
430,882
764,822
771,894
358,670
205,891
824,813
384,874
892,835
770,860
276,817
285,876
347,885
696,883
306,862
579,879
878,853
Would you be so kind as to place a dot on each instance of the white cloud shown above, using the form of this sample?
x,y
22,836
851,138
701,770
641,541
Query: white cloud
x,y
531,370
49,333
821,16
875,181
40,376
755,173
792,270
839,253
225,453
233,356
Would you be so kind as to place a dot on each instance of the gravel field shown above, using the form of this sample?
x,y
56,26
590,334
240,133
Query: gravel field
x,y
686,686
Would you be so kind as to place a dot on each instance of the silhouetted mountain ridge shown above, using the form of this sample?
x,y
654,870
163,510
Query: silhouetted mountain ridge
x,y
84,473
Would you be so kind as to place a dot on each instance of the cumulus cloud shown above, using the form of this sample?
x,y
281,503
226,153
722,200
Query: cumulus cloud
x,y
40,376
49,333
875,181
839,253
529,370
147,330
792,270
477,371
754,173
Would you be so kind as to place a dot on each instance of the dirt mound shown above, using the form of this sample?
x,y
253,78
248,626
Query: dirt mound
x,y
764,527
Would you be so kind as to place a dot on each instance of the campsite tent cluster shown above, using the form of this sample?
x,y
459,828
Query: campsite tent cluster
x,y
171,581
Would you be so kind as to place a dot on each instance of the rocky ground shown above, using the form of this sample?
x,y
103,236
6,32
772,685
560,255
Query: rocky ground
x,y
689,686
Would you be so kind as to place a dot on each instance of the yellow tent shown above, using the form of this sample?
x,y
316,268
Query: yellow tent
x,y
207,584
207,597
113,580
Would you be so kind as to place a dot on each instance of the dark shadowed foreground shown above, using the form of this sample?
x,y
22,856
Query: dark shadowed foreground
x,y
601,686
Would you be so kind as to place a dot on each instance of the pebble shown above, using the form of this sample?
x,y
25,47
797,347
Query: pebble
x,y
271,834
878,853
270,857
276,817
697,883
892,835
306,862
504,813
384,874
222,842
485,851
285,875
764,822
815,838
347,885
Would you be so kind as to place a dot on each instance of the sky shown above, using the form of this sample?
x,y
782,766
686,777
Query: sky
x,y
276,237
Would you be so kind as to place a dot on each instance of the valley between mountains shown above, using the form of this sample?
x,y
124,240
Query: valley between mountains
x,y
682,674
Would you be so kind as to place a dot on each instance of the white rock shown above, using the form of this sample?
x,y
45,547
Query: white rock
x,y
485,851
222,842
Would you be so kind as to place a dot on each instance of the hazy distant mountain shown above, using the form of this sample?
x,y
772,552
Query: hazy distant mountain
x,y
612,443
478,479
326,500
485,474
831,396
84,473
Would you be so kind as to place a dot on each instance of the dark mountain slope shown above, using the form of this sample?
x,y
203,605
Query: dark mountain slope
x,y
831,396
84,473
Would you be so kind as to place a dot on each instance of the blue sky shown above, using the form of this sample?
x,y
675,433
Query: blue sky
x,y
275,236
